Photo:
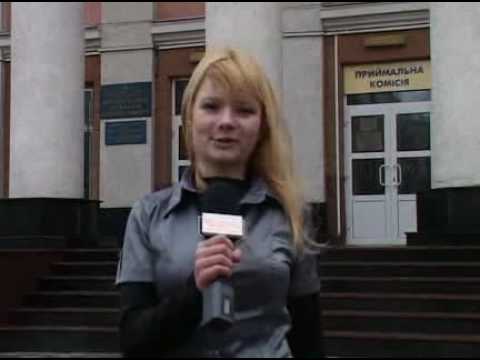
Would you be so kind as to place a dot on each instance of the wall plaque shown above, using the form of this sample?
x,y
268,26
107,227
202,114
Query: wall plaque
x,y
125,132
126,100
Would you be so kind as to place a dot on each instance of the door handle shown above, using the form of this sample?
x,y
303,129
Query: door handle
x,y
398,172
382,167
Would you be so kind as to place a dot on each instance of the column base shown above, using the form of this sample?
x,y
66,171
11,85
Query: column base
x,y
48,223
448,216
112,223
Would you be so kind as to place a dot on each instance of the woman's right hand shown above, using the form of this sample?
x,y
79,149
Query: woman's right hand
x,y
214,258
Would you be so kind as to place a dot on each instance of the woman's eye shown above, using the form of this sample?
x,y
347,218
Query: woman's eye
x,y
210,106
246,110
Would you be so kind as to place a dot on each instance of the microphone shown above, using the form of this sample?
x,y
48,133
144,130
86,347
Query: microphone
x,y
221,215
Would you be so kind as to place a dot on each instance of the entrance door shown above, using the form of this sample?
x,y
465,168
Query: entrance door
x,y
387,149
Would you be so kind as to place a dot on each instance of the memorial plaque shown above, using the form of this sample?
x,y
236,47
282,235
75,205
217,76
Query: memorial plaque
x,y
126,100
125,132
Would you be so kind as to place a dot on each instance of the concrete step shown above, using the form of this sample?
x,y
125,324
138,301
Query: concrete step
x,y
380,344
77,283
405,302
424,239
85,268
70,299
402,253
59,339
76,255
59,355
102,317
454,285
406,322
399,268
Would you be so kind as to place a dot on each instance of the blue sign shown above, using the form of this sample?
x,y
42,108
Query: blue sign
x,y
126,100
126,132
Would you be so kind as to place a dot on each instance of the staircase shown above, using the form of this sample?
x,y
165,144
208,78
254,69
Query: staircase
x,y
377,302
401,302
73,312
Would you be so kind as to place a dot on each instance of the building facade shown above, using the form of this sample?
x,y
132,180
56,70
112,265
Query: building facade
x,y
379,98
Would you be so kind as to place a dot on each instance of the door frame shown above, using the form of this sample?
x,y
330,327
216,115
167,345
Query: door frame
x,y
176,124
169,64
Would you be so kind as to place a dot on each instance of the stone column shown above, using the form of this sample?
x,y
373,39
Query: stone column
x,y
449,213
254,27
295,67
46,152
46,206
455,125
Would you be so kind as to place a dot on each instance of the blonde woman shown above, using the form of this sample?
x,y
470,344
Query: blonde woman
x,y
234,131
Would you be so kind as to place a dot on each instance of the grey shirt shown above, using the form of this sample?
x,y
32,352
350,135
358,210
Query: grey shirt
x,y
159,247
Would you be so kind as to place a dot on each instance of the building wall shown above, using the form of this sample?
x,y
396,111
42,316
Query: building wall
x,y
302,84
6,16
126,43
125,170
93,13
113,12
127,36
93,81
179,10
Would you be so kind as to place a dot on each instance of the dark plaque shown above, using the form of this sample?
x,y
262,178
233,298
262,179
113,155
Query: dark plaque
x,y
126,100
125,132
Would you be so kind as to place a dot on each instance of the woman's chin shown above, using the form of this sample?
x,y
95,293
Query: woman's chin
x,y
226,160
225,156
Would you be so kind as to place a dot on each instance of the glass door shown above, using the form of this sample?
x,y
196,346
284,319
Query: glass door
x,y
387,149
410,162
368,198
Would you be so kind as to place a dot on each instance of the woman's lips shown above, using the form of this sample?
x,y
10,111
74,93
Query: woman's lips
x,y
224,142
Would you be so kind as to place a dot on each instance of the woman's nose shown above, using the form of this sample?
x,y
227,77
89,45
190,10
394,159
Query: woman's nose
x,y
227,117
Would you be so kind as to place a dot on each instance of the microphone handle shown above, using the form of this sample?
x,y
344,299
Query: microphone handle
x,y
218,304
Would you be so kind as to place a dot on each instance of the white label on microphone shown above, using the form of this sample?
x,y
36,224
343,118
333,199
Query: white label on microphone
x,y
230,225
226,306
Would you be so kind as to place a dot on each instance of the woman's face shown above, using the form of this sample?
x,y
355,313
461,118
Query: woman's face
x,y
225,130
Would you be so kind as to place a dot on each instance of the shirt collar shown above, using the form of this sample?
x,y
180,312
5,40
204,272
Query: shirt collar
x,y
257,193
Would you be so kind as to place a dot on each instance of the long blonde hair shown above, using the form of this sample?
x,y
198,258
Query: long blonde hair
x,y
272,158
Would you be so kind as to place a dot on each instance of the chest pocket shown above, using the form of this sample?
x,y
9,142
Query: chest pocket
x,y
262,277
174,241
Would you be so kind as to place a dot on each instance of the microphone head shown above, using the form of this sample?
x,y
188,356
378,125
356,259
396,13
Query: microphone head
x,y
223,196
